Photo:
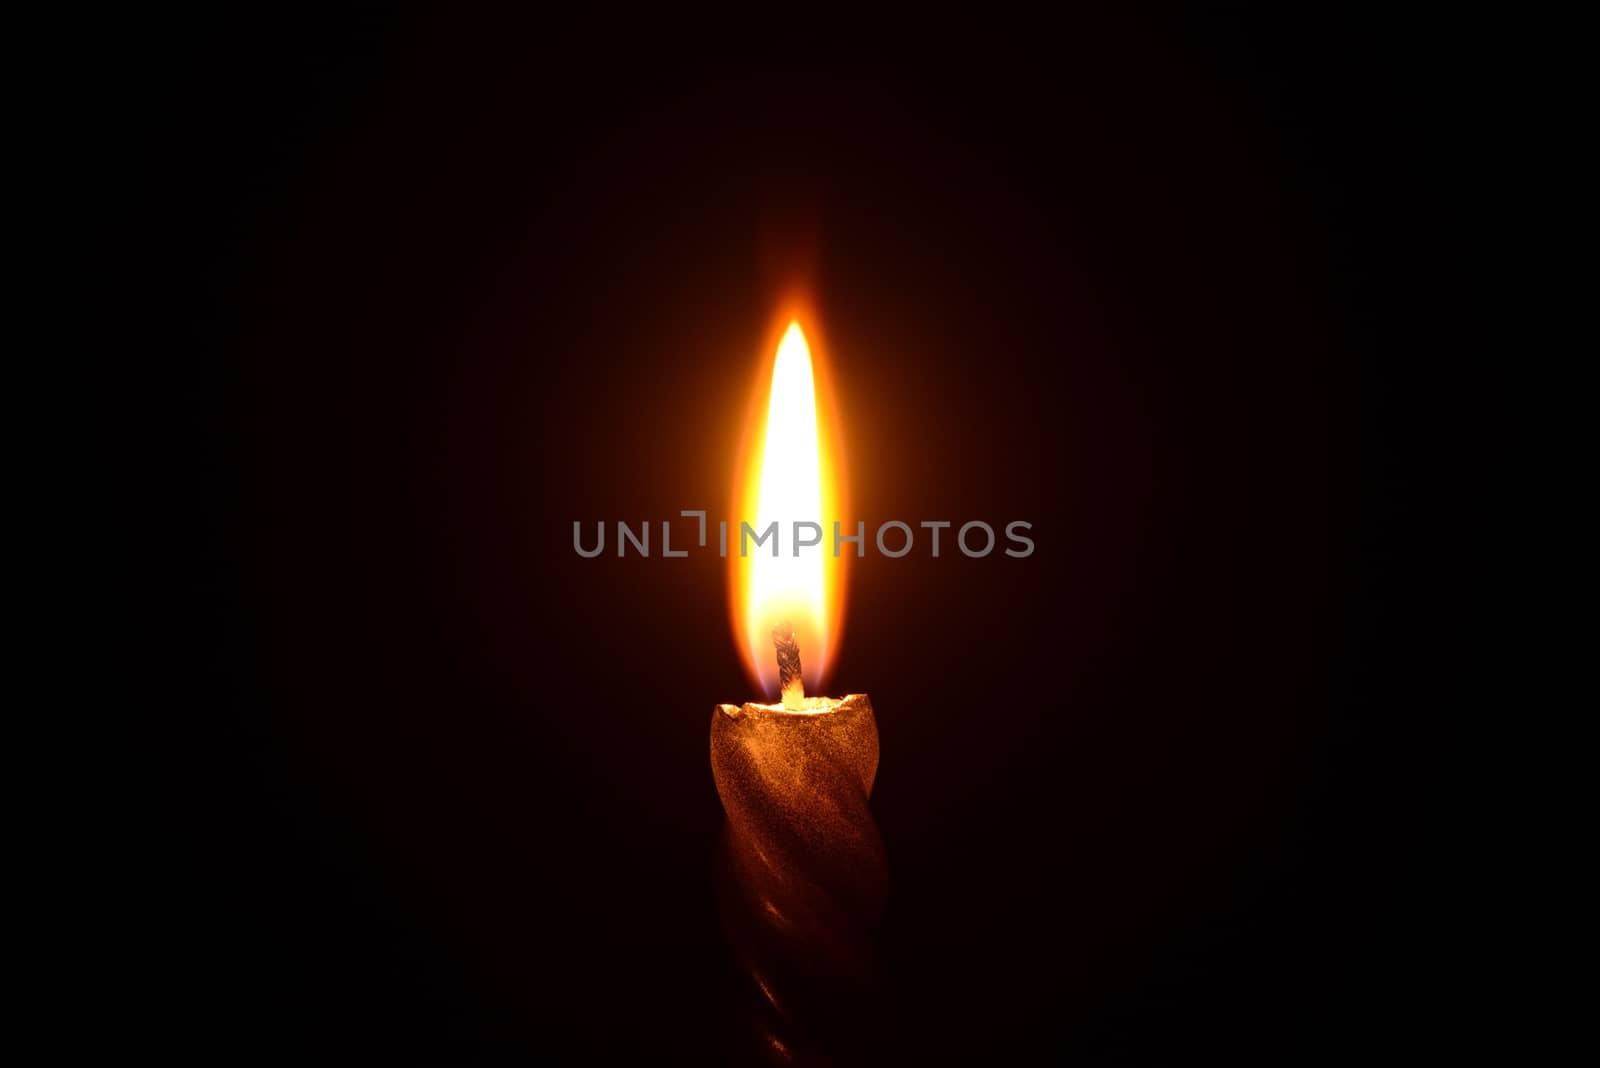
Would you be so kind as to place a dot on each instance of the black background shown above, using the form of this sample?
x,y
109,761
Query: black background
x,y
434,789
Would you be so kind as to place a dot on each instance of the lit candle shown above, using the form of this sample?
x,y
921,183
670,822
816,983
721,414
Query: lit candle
x,y
804,872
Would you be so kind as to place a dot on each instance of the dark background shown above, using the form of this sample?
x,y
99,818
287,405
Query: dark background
x,y
431,788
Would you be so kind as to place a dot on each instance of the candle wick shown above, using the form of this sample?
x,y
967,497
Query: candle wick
x,y
790,683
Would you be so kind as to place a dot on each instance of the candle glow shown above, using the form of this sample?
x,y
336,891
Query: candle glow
x,y
788,477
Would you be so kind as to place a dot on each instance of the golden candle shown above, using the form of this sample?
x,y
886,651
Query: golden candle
x,y
804,876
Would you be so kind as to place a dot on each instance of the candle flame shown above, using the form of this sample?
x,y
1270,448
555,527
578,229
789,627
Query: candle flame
x,y
788,480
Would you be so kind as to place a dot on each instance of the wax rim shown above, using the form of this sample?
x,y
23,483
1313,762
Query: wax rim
x,y
827,705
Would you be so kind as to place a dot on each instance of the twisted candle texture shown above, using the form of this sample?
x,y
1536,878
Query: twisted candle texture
x,y
804,876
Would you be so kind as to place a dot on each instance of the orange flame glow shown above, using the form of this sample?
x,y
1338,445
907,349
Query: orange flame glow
x,y
788,475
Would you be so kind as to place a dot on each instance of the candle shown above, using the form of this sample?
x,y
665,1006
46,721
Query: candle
x,y
803,871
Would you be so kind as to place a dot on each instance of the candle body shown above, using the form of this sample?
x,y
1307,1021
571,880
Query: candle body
x,y
803,872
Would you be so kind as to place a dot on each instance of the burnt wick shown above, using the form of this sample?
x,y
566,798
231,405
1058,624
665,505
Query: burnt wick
x,y
790,683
